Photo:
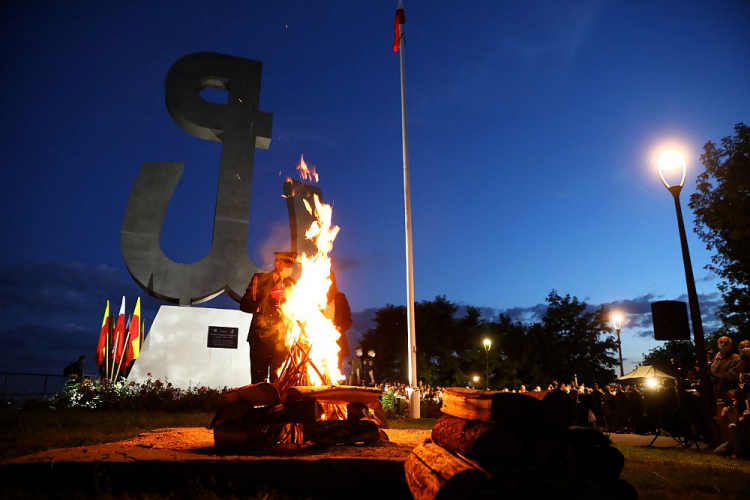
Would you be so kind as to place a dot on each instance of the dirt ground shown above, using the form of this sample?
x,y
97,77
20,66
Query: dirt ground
x,y
196,443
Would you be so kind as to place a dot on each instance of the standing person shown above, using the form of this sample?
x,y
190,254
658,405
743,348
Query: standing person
x,y
609,409
74,371
621,408
597,396
369,369
724,370
584,406
635,409
356,376
744,353
263,297
340,313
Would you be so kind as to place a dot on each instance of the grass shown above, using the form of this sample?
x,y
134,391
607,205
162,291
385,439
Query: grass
x,y
671,473
675,473
25,432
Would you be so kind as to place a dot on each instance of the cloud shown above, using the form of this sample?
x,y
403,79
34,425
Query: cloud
x,y
528,314
363,320
708,278
638,311
52,312
564,37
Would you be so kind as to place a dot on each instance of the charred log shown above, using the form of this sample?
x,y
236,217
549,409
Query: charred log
x,y
333,432
432,472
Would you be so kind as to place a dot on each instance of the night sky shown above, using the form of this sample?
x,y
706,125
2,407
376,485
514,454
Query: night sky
x,y
533,132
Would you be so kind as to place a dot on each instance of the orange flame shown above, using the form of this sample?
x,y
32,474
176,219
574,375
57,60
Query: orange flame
x,y
305,173
306,311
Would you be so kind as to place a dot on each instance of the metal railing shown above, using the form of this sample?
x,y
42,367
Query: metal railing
x,y
21,386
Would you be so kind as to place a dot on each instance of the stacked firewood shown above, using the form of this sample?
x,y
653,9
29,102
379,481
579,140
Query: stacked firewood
x,y
258,418
495,444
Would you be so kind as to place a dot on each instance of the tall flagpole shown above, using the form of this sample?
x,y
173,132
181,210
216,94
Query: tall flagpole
x,y
414,398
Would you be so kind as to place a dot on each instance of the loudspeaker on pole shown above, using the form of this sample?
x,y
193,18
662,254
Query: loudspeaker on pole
x,y
670,320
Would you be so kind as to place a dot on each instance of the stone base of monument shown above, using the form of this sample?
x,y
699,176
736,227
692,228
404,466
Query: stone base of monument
x,y
196,346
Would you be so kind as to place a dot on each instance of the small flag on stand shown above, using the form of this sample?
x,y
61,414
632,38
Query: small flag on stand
x,y
133,348
119,335
101,348
400,19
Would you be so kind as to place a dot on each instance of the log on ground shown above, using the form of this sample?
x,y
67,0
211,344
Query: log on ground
x,y
245,415
434,473
331,432
261,394
341,394
491,406
478,440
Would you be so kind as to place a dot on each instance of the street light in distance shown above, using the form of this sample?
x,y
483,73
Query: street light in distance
x,y
487,346
617,323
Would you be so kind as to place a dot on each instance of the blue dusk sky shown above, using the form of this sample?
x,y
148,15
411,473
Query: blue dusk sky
x,y
533,132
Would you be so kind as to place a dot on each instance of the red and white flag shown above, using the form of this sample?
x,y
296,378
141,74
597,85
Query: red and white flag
x,y
119,335
133,349
400,19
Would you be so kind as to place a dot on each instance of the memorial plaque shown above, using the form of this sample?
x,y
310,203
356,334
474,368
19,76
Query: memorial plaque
x,y
222,337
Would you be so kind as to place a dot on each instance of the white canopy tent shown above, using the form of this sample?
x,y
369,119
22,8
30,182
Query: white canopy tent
x,y
644,372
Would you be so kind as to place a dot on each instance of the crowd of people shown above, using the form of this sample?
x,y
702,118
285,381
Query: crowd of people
x,y
730,374
670,406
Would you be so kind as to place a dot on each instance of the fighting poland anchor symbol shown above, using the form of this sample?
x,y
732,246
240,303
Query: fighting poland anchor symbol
x,y
241,128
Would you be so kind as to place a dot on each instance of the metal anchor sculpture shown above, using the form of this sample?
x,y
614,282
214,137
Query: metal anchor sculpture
x,y
241,128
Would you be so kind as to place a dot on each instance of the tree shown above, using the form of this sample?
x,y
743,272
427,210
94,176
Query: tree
x,y
442,341
721,205
388,339
568,341
574,340
671,355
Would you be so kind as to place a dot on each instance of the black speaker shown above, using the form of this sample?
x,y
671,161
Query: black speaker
x,y
670,320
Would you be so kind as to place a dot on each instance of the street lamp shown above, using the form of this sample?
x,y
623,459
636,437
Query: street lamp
x,y
487,345
671,165
617,322
476,380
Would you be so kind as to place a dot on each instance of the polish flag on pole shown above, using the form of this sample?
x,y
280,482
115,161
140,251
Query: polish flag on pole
x,y
400,19
398,43
133,349
101,348
119,334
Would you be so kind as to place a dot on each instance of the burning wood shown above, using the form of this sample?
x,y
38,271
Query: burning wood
x,y
252,419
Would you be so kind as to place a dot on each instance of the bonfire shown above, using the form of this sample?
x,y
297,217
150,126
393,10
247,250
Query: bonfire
x,y
307,402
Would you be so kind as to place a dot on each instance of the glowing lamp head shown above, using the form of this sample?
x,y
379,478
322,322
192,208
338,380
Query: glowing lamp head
x,y
617,321
487,344
671,165
652,383
476,378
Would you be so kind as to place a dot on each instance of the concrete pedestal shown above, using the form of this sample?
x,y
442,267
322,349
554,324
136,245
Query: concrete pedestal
x,y
176,348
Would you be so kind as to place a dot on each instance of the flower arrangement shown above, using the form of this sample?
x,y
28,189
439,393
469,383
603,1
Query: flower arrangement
x,y
150,395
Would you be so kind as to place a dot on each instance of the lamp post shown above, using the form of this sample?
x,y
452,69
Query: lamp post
x,y
669,163
476,380
487,345
617,322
